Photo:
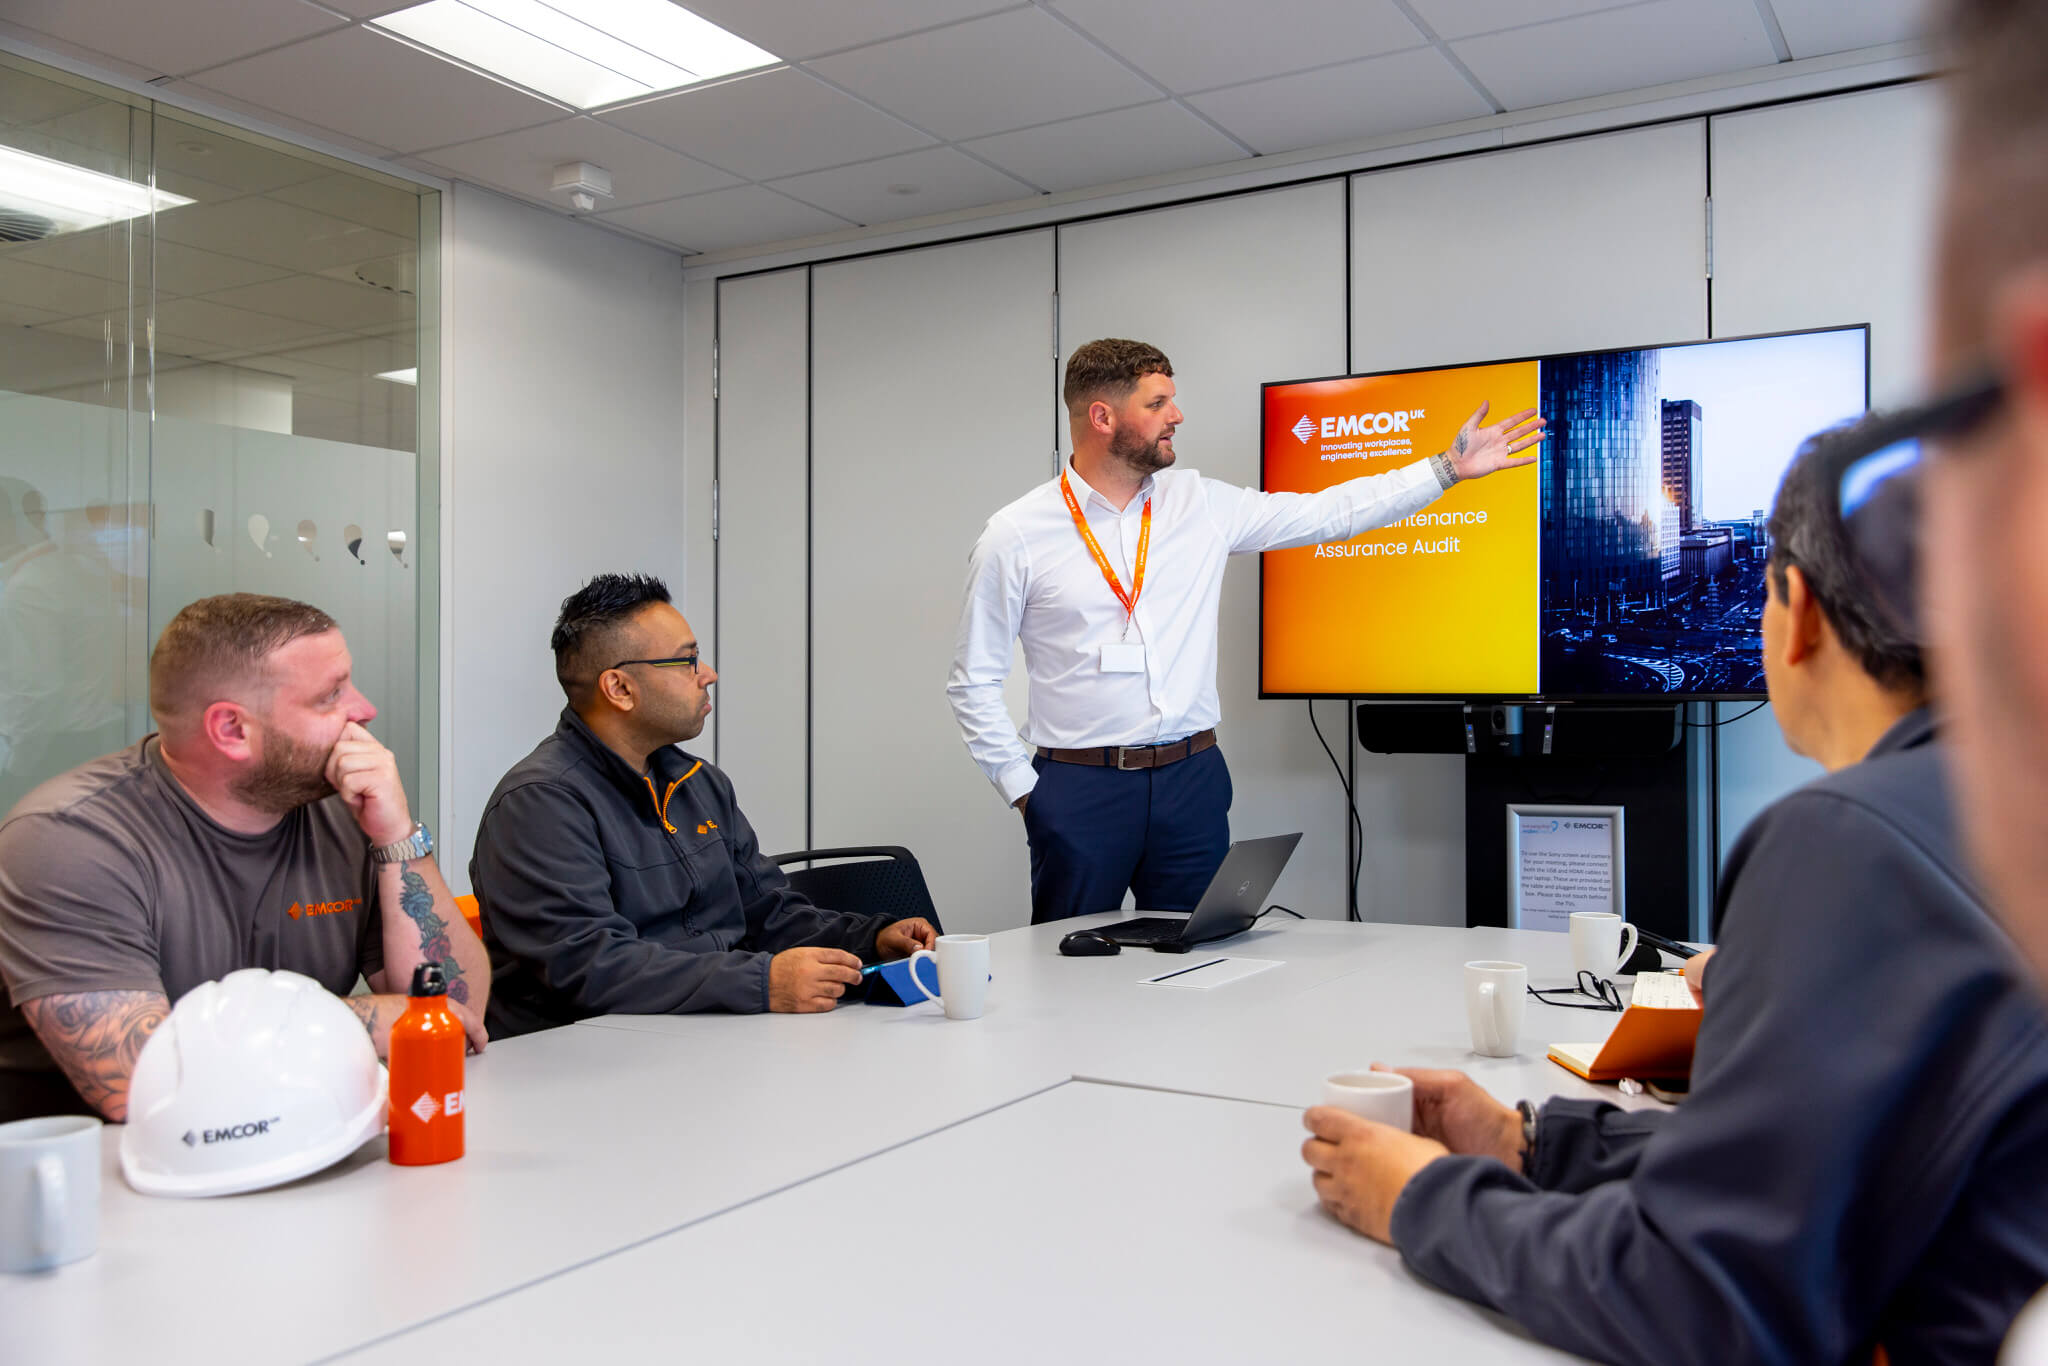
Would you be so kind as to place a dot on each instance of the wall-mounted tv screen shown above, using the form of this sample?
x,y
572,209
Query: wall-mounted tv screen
x,y
1628,562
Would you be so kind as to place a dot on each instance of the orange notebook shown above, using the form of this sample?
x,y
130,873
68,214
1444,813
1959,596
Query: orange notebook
x,y
1653,1038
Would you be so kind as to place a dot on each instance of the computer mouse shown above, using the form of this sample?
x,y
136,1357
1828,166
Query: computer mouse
x,y
1089,944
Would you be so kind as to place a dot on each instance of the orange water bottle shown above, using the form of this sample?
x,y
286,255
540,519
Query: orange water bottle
x,y
426,1075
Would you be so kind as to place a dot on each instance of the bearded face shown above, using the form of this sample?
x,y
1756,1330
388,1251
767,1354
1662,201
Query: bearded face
x,y
290,775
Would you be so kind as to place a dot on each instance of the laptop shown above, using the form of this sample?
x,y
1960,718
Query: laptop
x,y
1227,908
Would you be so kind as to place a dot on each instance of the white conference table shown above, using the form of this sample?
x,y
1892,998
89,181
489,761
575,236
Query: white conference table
x,y
586,1141
1087,1223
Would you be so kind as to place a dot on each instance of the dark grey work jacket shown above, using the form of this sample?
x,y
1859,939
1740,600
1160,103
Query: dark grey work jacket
x,y
606,892
1863,1160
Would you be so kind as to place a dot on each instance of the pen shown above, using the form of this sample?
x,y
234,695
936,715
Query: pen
x,y
1196,968
871,969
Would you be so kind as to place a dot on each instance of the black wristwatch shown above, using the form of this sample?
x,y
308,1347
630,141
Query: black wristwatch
x,y
1529,1119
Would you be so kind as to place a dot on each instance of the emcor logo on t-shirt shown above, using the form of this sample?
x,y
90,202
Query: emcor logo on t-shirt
x,y
300,909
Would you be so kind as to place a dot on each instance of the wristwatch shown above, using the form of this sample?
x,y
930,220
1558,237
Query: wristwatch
x,y
1529,1119
418,844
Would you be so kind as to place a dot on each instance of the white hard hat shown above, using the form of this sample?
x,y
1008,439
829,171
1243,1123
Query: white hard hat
x,y
254,1080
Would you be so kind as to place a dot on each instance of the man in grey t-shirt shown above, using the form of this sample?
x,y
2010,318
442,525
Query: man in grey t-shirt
x,y
262,827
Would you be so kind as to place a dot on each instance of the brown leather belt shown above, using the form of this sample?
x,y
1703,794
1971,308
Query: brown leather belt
x,y
1134,756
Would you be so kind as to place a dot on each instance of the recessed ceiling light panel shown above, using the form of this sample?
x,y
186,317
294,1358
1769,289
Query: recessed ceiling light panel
x,y
40,197
584,53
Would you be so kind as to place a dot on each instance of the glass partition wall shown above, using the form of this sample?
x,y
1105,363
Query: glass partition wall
x,y
217,374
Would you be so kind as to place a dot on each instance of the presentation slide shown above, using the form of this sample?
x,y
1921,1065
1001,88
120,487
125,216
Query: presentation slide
x,y
1629,561
1444,601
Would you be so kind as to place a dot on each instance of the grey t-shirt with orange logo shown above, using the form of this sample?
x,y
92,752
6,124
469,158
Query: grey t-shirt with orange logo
x,y
113,879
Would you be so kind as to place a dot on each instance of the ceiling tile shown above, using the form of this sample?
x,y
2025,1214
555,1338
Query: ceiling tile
x,y
1365,99
1099,149
277,120
774,124
743,217
98,137
13,314
989,76
26,100
796,29
945,180
1813,28
1197,44
229,165
523,163
274,233
174,39
96,329
180,270
358,200
1623,49
331,305
1463,18
368,86
61,292
236,327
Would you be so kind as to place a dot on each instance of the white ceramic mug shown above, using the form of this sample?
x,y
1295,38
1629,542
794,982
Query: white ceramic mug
x,y
1601,942
1493,1006
1382,1097
49,1191
963,974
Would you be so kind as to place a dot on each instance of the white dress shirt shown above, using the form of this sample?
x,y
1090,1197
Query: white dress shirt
x,y
1031,577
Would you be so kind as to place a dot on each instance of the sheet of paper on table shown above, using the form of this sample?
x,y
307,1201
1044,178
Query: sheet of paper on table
x,y
1214,973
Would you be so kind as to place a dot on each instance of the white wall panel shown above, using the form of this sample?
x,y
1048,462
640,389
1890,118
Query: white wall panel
x,y
763,651
1235,291
697,595
932,407
1595,242
1823,213
565,345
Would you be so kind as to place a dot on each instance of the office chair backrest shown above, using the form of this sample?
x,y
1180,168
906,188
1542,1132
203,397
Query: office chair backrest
x,y
885,881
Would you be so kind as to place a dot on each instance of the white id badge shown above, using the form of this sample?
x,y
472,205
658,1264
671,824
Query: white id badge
x,y
1123,657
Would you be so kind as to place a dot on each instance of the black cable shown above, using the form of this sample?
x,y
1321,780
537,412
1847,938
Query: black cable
x,y
1727,720
1351,809
1276,906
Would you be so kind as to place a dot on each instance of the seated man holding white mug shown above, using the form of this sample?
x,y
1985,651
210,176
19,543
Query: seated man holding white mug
x,y
1859,1165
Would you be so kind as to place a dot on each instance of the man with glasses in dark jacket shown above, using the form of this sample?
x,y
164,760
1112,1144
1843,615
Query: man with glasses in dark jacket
x,y
1859,1165
616,873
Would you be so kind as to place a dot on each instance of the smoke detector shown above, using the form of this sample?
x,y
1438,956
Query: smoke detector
x,y
584,183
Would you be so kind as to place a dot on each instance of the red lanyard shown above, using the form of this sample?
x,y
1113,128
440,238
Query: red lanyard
x,y
1116,585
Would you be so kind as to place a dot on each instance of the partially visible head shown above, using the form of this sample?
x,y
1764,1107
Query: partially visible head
x,y
1826,630
1120,401
1985,589
618,645
255,690
21,522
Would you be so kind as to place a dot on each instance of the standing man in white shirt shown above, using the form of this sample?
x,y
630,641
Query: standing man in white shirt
x,y
1111,575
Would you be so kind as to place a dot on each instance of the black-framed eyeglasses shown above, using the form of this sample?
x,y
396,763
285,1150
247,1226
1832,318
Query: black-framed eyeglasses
x,y
1873,472
1600,994
688,661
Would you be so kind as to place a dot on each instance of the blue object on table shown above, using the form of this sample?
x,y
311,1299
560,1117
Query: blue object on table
x,y
889,984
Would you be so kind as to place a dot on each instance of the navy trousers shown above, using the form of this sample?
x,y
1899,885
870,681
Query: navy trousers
x,y
1097,832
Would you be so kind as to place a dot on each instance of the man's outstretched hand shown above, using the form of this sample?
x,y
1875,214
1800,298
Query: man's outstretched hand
x,y
1478,450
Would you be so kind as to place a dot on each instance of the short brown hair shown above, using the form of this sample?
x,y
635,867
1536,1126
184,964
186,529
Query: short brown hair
x,y
220,642
1110,368
1996,210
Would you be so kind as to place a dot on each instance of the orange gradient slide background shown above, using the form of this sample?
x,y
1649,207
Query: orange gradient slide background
x,y
1431,620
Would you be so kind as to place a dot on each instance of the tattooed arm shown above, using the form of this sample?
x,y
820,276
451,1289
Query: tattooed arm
x,y
95,1036
419,919
421,925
